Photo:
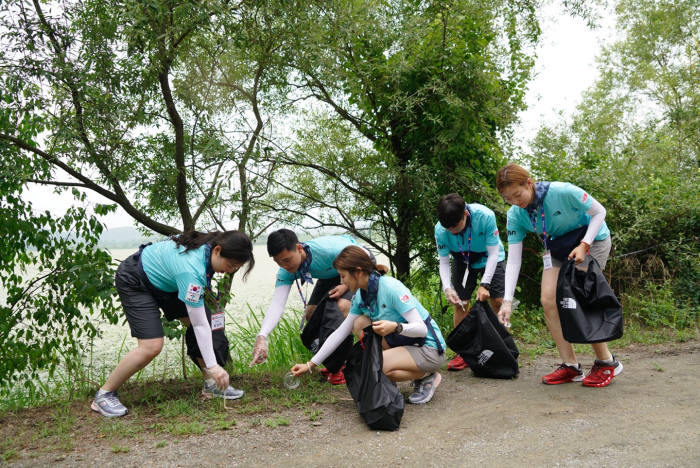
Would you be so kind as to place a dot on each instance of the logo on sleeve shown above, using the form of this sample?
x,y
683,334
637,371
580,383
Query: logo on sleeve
x,y
441,246
194,292
405,298
584,197
495,233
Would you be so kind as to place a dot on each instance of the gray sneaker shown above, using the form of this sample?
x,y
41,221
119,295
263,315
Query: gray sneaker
x,y
424,389
212,391
108,405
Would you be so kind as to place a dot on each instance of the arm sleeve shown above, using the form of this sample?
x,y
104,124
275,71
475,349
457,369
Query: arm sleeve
x,y
515,255
445,275
597,214
333,341
202,332
491,263
415,327
275,309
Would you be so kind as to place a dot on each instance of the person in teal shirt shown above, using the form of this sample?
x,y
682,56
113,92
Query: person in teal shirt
x,y
571,224
469,233
172,276
413,345
300,263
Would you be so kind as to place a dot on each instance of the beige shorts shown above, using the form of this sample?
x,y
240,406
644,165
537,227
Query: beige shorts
x,y
600,250
427,359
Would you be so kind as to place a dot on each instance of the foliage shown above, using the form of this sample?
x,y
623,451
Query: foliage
x,y
634,144
404,111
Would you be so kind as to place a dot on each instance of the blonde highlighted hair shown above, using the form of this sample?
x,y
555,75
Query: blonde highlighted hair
x,y
511,174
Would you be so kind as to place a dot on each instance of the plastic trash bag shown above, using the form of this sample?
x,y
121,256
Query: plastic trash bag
x,y
485,344
588,309
326,318
378,399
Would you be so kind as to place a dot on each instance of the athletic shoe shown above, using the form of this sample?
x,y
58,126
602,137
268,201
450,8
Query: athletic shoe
x,y
602,373
564,374
457,364
212,391
424,389
108,405
338,378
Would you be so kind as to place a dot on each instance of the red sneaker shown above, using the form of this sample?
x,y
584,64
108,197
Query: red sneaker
x,y
457,364
564,374
602,373
325,372
338,378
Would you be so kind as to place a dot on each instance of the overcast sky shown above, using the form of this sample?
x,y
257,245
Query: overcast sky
x,y
565,67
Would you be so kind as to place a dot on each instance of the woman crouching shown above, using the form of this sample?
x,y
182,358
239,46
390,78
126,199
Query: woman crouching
x,y
413,345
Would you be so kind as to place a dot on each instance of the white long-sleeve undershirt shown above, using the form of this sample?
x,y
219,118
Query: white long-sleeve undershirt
x,y
202,332
274,311
445,275
491,263
515,251
414,328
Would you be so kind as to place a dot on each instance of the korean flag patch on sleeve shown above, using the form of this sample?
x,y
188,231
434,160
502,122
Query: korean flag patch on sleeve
x,y
194,292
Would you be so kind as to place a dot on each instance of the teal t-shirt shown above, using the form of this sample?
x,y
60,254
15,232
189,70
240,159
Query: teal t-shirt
x,y
565,207
484,232
169,269
393,300
323,252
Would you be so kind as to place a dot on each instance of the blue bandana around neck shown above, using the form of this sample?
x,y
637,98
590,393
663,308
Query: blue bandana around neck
x,y
370,295
303,270
207,260
541,189
469,220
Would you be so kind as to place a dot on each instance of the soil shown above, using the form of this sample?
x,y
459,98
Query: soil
x,y
649,416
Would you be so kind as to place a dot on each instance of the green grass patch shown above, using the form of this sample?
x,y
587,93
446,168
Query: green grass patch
x,y
119,449
185,428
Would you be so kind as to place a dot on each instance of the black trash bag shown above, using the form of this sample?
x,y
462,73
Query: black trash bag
x,y
588,309
378,399
561,247
326,318
219,342
485,344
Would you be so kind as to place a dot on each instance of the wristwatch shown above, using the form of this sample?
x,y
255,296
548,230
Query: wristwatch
x,y
486,286
398,329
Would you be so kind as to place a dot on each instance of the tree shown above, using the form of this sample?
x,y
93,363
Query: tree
x,y
410,108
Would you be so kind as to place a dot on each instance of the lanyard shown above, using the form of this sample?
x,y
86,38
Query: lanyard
x,y
303,299
469,245
544,226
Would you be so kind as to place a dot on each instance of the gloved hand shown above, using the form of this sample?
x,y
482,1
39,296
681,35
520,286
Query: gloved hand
x,y
219,375
452,296
504,313
259,351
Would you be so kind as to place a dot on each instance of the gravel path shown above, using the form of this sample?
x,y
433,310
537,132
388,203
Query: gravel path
x,y
649,416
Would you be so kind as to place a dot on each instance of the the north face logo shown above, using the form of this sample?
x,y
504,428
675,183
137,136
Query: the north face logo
x,y
485,356
568,303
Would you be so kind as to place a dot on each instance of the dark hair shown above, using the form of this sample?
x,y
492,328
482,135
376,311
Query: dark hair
x,y
450,210
235,245
353,258
511,174
282,239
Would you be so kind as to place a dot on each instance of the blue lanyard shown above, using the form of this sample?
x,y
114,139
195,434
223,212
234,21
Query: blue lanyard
x,y
303,299
544,226
469,245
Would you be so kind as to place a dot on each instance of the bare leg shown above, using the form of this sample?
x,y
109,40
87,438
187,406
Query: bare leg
x,y
132,362
399,366
344,306
551,315
602,353
496,304
460,313
361,322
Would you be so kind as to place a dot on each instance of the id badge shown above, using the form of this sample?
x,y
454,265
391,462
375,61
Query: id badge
x,y
217,321
466,275
547,260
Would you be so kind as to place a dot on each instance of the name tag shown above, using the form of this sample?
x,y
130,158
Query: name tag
x,y
217,321
466,275
547,260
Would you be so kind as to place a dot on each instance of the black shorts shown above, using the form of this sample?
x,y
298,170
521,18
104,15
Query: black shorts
x,y
143,302
322,287
498,281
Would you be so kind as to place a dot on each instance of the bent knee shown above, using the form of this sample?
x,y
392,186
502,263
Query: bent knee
x,y
344,306
151,347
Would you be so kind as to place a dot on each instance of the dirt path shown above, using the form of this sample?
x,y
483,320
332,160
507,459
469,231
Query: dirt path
x,y
650,416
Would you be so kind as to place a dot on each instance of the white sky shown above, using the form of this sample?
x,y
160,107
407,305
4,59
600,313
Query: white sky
x,y
565,67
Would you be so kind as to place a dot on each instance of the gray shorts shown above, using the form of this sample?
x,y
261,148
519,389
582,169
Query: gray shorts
x,y
599,250
427,359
